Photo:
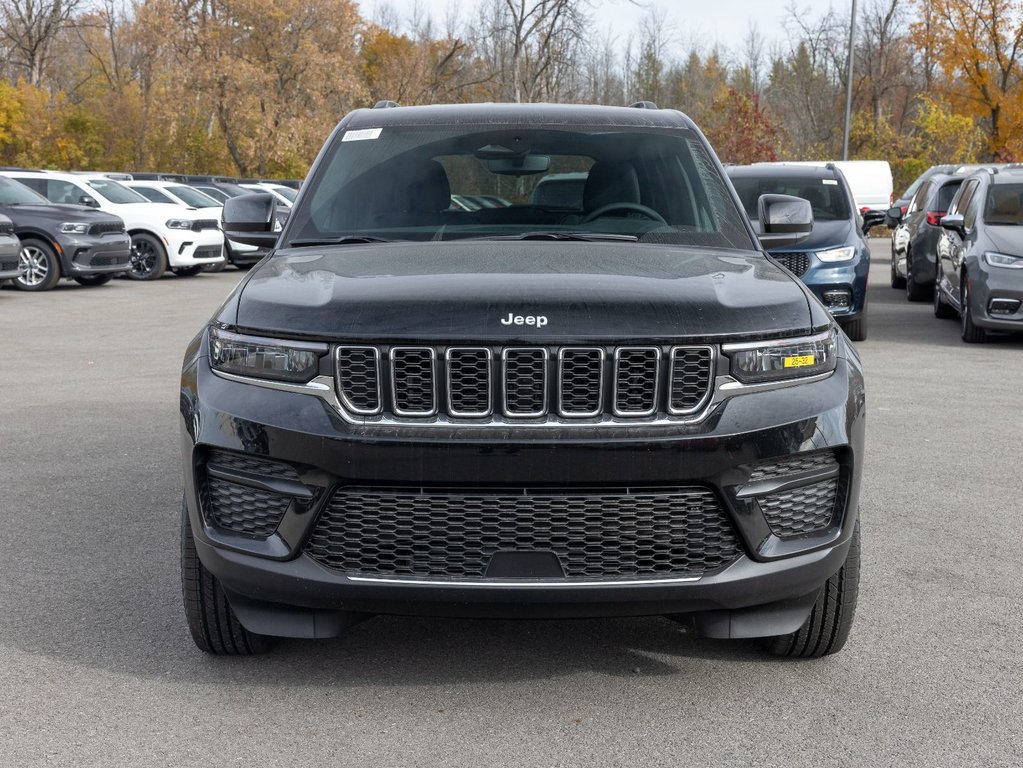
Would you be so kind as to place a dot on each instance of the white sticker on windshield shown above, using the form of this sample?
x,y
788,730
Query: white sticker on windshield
x,y
832,182
364,135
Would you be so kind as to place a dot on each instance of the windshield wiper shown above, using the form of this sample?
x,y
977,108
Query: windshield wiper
x,y
585,236
342,240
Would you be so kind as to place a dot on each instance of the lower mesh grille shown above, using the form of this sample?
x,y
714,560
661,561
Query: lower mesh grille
x,y
794,465
253,464
802,510
208,252
605,534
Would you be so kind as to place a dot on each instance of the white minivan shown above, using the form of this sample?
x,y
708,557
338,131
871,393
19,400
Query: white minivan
x,y
163,236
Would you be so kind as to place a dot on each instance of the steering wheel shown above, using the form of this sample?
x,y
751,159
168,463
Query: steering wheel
x,y
603,210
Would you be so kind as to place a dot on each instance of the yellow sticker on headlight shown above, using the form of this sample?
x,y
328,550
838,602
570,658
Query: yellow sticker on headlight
x,y
799,361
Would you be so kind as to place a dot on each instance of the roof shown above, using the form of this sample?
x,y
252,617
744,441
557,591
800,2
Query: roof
x,y
519,114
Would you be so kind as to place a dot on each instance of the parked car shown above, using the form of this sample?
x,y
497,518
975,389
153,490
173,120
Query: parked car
x,y
627,409
285,195
62,241
835,259
162,236
980,255
10,251
903,201
915,239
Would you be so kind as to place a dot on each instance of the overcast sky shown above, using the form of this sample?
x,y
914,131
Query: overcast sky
x,y
687,21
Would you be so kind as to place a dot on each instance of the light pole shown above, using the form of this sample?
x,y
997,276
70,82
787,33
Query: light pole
x,y
848,82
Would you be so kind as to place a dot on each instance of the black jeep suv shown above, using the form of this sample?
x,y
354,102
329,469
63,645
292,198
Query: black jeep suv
x,y
611,406
69,241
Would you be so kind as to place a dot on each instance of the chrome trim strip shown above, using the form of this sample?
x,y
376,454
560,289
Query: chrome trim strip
x,y
490,383
504,382
458,584
824,336
602,356
712,362
433,382
340,390
657,376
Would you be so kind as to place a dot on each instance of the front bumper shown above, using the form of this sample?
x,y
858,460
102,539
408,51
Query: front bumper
x,y
188,248
830,280
996,285
277,588
10,252
87,255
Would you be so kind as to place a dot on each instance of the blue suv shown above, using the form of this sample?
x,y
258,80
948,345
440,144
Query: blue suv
x,y
835,259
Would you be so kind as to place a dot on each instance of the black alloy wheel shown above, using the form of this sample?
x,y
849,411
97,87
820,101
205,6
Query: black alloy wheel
x,y
148,259
40,267
942,311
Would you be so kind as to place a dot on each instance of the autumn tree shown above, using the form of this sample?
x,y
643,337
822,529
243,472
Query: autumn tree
x,y
741,132
978,45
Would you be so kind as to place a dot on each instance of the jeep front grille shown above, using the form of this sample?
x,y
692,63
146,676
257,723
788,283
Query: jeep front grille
x,y
509,384
616,533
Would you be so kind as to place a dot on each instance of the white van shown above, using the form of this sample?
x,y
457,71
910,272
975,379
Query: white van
x,y
869,180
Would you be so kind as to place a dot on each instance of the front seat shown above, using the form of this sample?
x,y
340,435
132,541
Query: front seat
x,y
423,193
608,183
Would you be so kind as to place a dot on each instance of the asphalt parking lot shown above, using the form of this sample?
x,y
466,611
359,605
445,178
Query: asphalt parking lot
x,y
97,668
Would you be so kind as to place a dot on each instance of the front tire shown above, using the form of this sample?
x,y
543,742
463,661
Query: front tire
x,y
897,282
148,258
827,628
92,281
971,333
914,291
211,620
39,264
942,311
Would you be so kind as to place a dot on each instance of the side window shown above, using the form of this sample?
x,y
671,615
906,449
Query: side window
x,y
39,185
972,208
918,201
63,192
962,200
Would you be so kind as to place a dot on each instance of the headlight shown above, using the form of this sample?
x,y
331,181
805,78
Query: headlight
x,y
1003,260
293,361
784,359
74,228
179,224
847,253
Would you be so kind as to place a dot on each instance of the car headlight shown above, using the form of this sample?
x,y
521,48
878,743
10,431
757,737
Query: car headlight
x,y
1003,260
74,228
847,253
179,224
277,359
783,359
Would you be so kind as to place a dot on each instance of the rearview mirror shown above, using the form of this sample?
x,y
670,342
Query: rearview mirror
x,y
519,165
252,219
784,220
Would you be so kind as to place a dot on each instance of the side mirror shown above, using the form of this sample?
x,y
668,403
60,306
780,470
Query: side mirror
x,y
955,223
893,216
92,202
784,220
252,219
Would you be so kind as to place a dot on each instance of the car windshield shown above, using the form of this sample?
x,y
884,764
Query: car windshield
x,y
215,193
13,193
193,197
429,183
285,192
1004,205
114,192
153,194
826,196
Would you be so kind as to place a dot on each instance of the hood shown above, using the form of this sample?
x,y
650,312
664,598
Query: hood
x,y
500,290
826,234
1007,240
55,212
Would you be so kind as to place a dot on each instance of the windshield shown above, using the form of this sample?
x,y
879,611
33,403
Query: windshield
x,y
154,195
1004,205
427,182
826,196
193,197
13,193
286,192
215,194
114,192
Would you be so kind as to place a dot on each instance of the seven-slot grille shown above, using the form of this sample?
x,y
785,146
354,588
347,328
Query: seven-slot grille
x,y
466,383
200,224
106,228
795,262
